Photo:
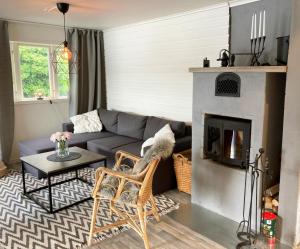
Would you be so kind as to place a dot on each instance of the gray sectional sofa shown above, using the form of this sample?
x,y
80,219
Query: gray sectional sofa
x,y
121,131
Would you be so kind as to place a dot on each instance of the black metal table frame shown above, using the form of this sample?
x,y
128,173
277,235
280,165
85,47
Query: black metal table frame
x,y
50,185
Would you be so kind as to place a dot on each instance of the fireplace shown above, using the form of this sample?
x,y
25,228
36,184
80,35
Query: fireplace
x,y
227,139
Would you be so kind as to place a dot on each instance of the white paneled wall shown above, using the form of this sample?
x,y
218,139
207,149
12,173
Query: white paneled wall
x,y
147,63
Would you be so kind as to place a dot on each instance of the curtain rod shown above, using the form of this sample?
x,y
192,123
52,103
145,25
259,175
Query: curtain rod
x,y
33,23
46,24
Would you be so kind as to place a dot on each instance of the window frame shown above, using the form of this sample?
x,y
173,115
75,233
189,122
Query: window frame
x,y
16,71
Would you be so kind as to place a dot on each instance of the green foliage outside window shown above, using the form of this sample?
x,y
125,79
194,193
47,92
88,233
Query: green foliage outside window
x,y
63,81
34,70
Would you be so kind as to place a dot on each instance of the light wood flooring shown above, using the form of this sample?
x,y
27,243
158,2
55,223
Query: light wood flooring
x,y
189,227
167,234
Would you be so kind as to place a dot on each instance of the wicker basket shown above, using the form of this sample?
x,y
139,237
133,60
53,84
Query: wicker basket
x,y
183,170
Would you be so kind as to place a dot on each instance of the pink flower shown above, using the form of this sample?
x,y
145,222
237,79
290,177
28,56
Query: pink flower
x,y
60,136
68,135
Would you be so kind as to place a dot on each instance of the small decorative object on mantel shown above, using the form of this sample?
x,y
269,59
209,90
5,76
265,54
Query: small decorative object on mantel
x,y
206,62
61,140
226,58
283,43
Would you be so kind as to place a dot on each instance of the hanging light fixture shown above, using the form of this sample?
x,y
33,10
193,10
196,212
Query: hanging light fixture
x,y
63,59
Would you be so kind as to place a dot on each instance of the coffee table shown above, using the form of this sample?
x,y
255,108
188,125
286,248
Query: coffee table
x,y
40,162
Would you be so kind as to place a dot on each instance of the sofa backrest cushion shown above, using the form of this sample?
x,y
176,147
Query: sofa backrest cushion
x,y
131,125
109,119
154,124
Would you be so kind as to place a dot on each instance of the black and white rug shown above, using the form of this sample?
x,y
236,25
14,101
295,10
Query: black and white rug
x,y
25,225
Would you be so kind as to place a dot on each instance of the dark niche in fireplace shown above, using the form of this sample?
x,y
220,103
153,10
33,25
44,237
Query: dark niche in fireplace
x,y
227,139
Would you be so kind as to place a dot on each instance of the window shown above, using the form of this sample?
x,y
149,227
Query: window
x,y
34,77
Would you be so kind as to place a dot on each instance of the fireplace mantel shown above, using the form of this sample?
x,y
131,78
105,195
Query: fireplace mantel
x,y
262,69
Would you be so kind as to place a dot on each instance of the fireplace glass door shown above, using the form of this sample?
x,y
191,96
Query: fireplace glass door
x,y
214,141
233,144
227,139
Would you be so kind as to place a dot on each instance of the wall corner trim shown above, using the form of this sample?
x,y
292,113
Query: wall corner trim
x,y
163,18
235,3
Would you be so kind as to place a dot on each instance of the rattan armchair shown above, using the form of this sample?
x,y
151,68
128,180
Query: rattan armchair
x,y
143,180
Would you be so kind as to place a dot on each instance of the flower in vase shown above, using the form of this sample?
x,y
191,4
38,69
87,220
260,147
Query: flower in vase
x,y
61,140
60,136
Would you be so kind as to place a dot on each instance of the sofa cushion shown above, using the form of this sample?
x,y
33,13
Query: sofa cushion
x,y
41,145
154,124
83,138
131,125
35,146
109,143
133,148
109,119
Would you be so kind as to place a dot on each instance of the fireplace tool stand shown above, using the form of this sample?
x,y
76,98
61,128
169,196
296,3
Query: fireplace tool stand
x,y
245,234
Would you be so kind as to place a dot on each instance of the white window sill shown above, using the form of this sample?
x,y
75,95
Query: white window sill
x,y
43,101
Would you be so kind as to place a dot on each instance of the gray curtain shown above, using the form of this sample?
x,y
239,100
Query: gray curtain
x,y
7,115
87,87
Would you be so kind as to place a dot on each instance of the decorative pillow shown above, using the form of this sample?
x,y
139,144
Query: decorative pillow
x,y
164,133
87,122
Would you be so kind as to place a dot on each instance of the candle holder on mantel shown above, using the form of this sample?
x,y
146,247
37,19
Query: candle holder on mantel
x,y
257,49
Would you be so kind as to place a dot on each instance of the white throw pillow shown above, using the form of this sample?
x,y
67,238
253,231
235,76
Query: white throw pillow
x,y
87,122
165,133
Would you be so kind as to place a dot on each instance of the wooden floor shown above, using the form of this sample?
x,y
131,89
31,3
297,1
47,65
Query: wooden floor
x,y
167,234
188,227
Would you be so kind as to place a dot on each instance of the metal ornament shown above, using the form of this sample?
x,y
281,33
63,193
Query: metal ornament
x,y
257,48
62,54
226,58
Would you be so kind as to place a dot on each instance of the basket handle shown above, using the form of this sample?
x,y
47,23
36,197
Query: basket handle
x,y
182,157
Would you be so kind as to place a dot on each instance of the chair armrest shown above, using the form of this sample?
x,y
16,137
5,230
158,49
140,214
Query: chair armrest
x,y
68,127
122,155
127,155
121,175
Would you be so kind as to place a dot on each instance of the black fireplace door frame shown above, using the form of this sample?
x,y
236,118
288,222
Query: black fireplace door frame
x,y
222,125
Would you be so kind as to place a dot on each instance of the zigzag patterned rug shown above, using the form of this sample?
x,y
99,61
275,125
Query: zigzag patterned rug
x,y
25,225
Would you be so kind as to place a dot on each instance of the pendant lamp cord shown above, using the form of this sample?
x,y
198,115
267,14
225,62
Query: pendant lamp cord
x,y
65,27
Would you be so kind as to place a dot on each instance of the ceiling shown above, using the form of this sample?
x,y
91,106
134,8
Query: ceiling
x,y
101,14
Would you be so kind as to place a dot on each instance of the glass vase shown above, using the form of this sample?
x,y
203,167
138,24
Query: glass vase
x,y
62,149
